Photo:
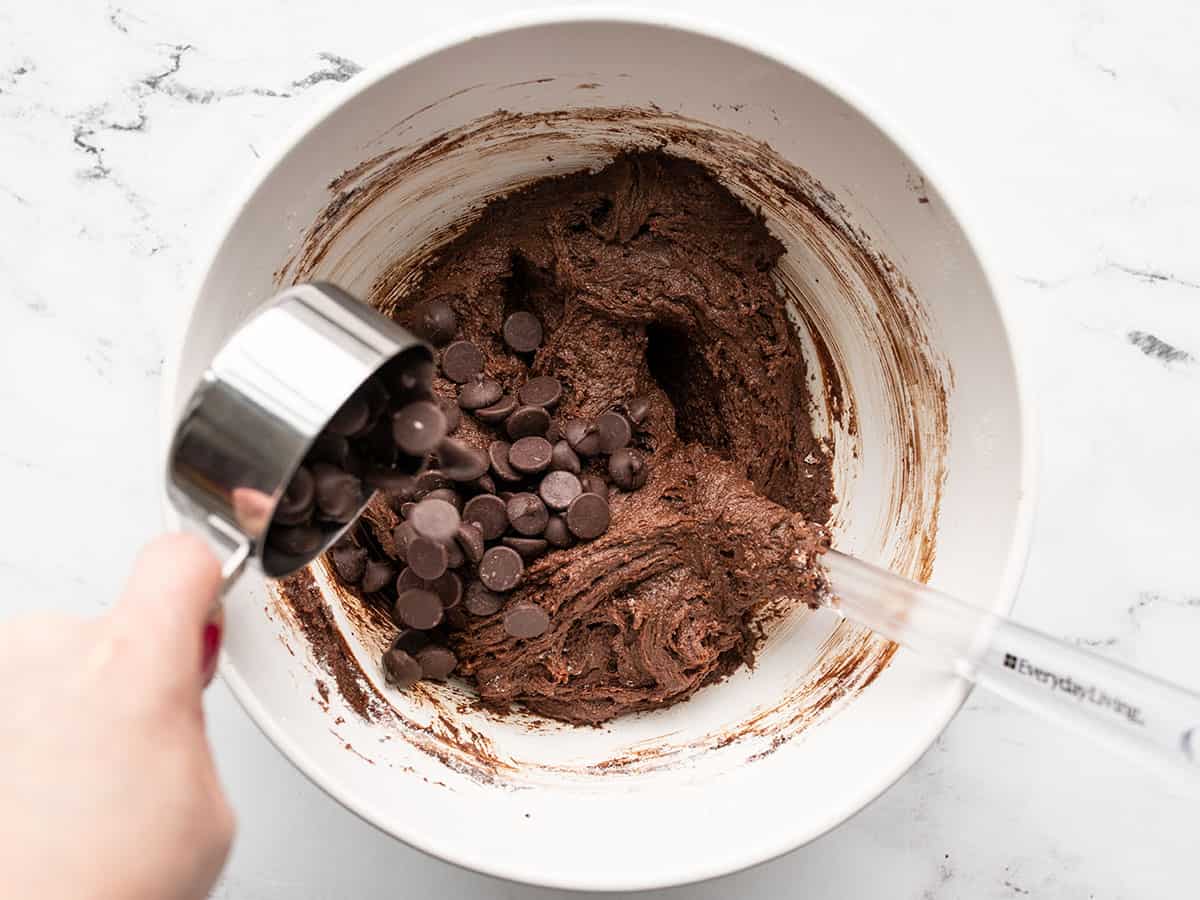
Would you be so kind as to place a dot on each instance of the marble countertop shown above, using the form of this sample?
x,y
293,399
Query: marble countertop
x,y
1068,132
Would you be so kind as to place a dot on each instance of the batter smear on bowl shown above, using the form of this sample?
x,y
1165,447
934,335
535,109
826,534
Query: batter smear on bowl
x,y
641,293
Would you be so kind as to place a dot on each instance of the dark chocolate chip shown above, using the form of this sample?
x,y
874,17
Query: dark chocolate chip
x,y
479,392
430,480
488,513
456,619
397,485
427,557
403,535
522,332
448,494
582,436
470,539
452,412
527,514
349,563
553,434
543,391
526,620
449,589
557,532
460,462
435,519
296,505
498,456
409,579
638,409
501,569
462,361
417,608
436,322
588,516
527,420
454,555
328,448
407,508
484,484
400,669
594,484
564,459
558,489
627,468
614,430
436,661
530,455
498,411
419,427
529,548
480,601
339,494
379,446
407,377
377,576
295,540
352,418
410,640
376,395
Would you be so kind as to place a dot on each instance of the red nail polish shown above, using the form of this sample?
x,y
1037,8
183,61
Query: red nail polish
x,y
211,644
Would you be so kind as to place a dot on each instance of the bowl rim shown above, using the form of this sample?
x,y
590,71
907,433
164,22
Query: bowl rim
x,y
839,86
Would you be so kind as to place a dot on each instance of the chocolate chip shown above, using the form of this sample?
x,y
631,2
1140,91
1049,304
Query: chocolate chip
x,y
462,361
614,430
430,480
564,459
408,378
530,455
522,332
377,576
557,533
449,495
526,421
480,601
328,448
484,484
460,462
498,411
295,540
454,555
349,563
479,392
543,391
407,508
353,417
417,608
582,436
470,539
558,489
427,557
529,548
379,446
410,640
527,514
403,535
435,519
448,588
436,662
456,619
400,669
627,468
488,513
376,395
594,484
638,409
436,322
526,620
588,516
498,457
296,504
409,579
397,485
418,427
553,434
339,494
452,412
501,569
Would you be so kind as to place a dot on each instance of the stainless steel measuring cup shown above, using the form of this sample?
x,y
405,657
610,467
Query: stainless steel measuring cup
x,y
261,404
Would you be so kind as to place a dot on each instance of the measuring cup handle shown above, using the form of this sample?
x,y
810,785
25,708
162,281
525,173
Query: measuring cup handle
x,y
233,548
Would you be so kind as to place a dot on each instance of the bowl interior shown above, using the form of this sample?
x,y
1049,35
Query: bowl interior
x,y
919,401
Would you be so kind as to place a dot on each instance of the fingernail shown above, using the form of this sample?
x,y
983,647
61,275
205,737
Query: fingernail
x,y
212,645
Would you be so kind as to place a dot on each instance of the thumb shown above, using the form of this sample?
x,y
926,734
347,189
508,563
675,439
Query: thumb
x,y
170,595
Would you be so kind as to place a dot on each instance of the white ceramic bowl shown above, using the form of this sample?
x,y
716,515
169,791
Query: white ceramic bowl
x,y
923,407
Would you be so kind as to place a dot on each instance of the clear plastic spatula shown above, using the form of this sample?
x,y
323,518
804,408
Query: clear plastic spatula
x,y
1153,719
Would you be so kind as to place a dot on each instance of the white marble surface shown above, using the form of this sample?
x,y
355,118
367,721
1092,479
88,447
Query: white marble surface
x,y
1068,134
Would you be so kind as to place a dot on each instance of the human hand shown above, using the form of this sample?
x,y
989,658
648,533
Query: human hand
x,y
107,785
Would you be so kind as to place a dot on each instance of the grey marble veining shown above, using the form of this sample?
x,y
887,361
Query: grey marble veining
x,y
1066,134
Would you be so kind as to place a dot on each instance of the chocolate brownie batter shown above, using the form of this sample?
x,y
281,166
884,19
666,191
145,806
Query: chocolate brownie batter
x,y
649,280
